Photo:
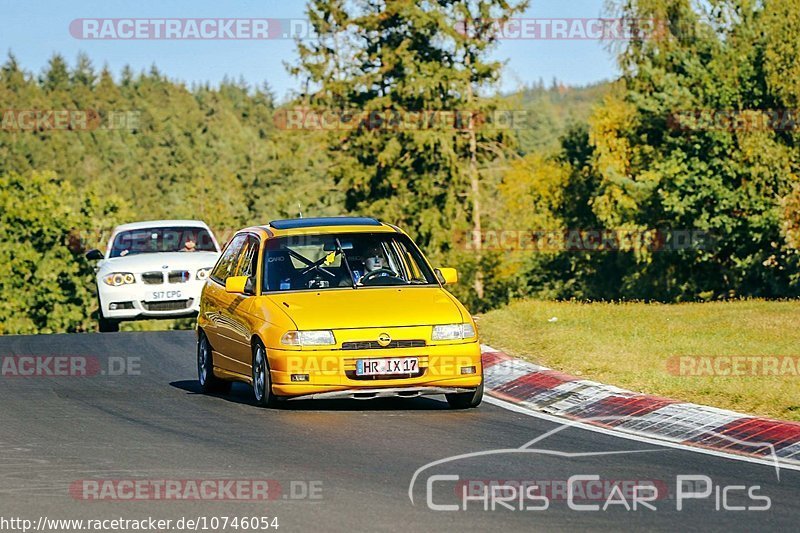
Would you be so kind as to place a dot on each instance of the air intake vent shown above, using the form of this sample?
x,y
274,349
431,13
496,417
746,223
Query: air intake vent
x,y
172,305
153,278
178,276
373,345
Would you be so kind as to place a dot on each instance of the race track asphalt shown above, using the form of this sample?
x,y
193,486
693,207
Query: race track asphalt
x,y
152,423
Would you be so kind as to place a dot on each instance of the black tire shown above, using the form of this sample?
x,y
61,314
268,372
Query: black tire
x,y
262,384
466,400
104,325
107,326
205,368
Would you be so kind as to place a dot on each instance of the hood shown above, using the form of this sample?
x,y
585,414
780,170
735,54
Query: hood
x,y
159,261
369,308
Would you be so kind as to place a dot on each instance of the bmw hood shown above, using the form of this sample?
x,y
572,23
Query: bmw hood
x,y
369,307
159,261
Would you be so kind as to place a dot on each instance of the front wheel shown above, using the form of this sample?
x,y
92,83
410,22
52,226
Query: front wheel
x,y
105,325
205,368
262,384
466,400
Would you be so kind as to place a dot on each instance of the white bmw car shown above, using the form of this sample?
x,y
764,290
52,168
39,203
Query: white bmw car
x,y
154,269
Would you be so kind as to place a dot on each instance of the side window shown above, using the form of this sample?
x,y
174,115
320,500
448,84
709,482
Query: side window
x,y
246,263
226,262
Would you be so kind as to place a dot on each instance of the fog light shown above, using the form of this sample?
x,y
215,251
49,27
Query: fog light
x,y
299,377
467,369
112,307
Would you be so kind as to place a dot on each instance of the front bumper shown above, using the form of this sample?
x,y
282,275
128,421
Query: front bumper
x,y
331,373
140,301
388,392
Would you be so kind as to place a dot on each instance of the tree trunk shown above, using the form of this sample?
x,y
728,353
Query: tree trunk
x,y
474,181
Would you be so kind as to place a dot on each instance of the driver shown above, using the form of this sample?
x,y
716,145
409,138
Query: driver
x,y
374,260
189,246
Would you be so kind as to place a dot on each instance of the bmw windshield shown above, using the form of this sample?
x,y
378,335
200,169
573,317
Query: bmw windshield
x,y
159,240
314,262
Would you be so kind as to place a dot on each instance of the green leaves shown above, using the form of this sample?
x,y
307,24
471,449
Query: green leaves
x,y
401,58
42,285
211,154
727,176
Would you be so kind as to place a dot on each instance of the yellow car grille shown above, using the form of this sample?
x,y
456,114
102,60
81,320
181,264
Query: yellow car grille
x,y
374,345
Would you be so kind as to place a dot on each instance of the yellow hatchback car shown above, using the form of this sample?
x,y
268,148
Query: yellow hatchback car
x,y
343,307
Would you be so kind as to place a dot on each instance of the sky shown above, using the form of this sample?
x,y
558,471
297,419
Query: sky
x,y
33,31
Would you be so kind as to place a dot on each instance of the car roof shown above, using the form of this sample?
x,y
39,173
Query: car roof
x,y
296,223
322,225
148,224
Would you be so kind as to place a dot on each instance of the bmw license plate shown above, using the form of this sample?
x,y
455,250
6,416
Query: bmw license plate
x,y
165,295
387,367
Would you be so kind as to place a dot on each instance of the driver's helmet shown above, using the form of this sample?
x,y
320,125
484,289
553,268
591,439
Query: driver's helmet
x,y
373,260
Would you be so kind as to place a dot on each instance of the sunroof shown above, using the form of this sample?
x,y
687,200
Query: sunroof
x,y
295,223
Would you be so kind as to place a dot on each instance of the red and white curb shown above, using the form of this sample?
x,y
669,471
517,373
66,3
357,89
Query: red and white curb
x,y
543,390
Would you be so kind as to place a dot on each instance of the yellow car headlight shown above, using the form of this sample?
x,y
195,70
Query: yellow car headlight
x,y
116,279
308,338
453,332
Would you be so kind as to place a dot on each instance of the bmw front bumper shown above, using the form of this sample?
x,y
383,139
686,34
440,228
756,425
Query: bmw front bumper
x,y
141,301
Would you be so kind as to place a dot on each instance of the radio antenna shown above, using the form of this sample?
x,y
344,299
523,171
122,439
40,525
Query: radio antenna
x,y
299,210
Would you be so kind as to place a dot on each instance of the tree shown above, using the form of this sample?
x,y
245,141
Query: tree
x,y
56,76
386,62
658,167
211,153
83,73
43,287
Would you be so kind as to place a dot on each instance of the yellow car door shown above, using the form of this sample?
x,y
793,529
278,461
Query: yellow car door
x,y
238,320
216,302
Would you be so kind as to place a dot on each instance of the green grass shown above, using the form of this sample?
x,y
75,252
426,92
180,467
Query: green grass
x,y
630,344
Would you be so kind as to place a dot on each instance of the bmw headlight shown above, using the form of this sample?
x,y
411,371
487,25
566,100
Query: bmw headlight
x,y
202,273
308,338
453,332
116,279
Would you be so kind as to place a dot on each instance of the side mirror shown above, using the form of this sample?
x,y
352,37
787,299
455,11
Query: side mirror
x,y
236,284
94,255
447,276
250,286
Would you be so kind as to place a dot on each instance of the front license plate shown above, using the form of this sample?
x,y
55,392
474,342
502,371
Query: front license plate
x,y
165,295
387,367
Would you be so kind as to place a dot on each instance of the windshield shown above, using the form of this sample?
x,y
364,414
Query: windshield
x,y
157,240
343,260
